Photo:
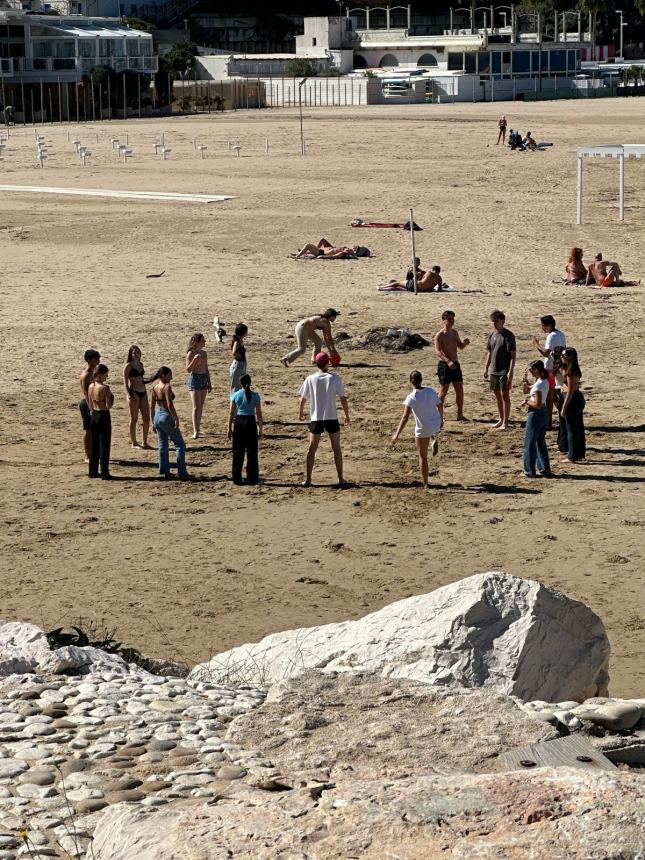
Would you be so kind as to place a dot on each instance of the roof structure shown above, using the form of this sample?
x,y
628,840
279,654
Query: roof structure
x,y
621,151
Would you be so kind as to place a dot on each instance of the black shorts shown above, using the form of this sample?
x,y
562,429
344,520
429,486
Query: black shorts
x,y
85,415
449,374
318,427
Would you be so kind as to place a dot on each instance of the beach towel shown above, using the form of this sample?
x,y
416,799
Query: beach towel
x,y
358,222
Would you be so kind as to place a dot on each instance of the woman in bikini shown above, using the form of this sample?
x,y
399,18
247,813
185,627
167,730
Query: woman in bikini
x,y
572,441
199,380
166,423
100,400
136,395
575,268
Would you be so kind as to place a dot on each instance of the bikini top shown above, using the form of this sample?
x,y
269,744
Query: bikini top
x,y
134,372
241,351
161,399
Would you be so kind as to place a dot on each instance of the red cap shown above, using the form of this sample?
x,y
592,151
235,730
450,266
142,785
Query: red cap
x,y
321,359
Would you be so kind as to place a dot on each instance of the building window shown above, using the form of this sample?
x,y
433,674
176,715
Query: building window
x,y
558,61
497,62
455,61
471,62
571,61
483,62
535,62
427,60
313,42
359,62
388,60
521,62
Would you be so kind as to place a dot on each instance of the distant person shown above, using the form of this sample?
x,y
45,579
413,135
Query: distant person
x,y
501,125
515,140
529,142
554,339
575,268
500,364
324,248
429,282
427,407
101,400
572,441
447,344
604,273
92,358
536,453
238,352
321,390
166,424
137,396
307,330
244,430
199,380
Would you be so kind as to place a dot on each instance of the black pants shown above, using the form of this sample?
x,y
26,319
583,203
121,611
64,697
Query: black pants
x,y
571,432
245,441
101,433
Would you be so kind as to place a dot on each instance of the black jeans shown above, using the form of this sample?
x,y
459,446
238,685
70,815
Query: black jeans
x,y
571,433
101,433
245,441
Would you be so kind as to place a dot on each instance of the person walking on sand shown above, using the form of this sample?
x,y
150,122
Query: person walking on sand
x,y
137,396
244,429
238,351
321,390
101,400
427,407
536,453
554,338
166,423
447,344
500,364
199,379
92,358
501,125
307,330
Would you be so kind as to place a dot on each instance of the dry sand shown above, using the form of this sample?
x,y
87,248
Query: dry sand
x,y
184,570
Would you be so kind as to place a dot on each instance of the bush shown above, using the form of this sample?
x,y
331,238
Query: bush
x,y
300,68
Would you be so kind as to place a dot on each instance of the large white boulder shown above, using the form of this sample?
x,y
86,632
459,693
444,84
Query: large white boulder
x,y
515,635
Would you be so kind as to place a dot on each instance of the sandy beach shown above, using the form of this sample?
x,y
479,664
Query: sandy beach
x,y
185,570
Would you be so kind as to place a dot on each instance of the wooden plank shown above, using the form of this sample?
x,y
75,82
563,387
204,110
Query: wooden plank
x,y
571,751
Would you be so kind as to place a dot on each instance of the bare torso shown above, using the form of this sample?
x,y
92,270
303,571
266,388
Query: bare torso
x,y
100,397
447,342
85,382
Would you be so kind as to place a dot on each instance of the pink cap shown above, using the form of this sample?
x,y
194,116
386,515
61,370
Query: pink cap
x,y
321,359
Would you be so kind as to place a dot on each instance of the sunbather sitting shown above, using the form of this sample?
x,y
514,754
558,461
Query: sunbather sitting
x,y
575,268
324,248
603,273
427,282
529,143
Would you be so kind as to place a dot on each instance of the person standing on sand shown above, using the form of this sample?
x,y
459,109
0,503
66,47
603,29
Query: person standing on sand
x,y
137,396
427,407
166,423
571,413
238,352
321,390
554,338
307,330
92,358
500,364
501,125
536,453
244,429
101,401
447,344
199,379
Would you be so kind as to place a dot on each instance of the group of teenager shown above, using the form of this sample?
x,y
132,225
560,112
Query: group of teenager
x,y
553,379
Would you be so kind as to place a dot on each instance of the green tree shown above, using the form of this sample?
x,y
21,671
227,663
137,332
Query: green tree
x,y
300,68
180,58
138,24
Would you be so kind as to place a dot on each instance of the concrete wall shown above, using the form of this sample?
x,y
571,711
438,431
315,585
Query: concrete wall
x,y
321,33
212,67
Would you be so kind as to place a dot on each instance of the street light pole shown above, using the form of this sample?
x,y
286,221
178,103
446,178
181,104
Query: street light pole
x,y
302,139
620,12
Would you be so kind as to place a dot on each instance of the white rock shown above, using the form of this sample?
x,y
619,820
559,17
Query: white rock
x,y
492,629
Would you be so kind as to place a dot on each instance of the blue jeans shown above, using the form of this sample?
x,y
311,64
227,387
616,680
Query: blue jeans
x,y
166,429
236,372
535,451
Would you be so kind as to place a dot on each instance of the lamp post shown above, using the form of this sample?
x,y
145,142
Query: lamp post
x,y
302,139
620,12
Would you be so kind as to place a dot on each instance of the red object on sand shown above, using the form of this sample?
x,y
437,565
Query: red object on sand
x,y
334,359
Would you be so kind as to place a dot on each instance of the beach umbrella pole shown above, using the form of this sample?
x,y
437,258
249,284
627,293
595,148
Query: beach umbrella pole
x,y
414,253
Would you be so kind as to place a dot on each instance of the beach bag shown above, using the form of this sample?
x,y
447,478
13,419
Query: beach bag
x,y
362,251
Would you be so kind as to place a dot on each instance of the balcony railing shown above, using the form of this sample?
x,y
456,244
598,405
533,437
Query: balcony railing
x,y
35,66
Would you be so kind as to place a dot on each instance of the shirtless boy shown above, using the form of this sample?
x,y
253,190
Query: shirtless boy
x,y
92,358
447,344
427,282
603,273
307,330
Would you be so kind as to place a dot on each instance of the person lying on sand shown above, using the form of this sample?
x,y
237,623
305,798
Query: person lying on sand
x,y
324,248
427,282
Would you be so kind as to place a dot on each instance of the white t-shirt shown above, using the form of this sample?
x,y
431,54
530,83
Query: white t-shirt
x,y
424,402
541,385
554,338
321,390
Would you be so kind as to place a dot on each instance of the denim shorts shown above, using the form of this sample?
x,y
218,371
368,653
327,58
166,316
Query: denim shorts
x,y
197,381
